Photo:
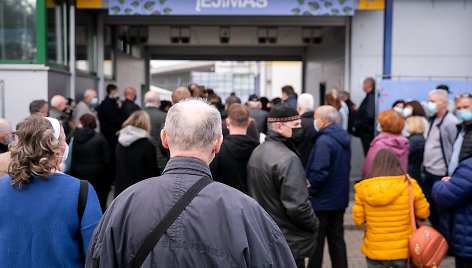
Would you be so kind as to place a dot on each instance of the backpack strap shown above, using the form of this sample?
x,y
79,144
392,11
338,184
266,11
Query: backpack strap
x,y
83,194
167,221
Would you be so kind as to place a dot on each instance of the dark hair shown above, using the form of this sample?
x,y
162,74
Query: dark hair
x,y
88,120
165,104
111,87
238,114
333,100
371,82
36,106
264,102
385,163
417,108
445,87
230,101
397,102
288,90
276,101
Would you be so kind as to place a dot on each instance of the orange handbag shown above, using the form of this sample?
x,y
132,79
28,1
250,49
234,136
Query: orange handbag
x,y
427,246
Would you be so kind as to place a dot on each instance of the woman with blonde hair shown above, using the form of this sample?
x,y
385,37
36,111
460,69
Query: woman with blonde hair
x,y
45,221
391,125
135,155
382,203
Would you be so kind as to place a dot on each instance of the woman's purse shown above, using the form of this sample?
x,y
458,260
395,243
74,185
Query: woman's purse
x,y
427,246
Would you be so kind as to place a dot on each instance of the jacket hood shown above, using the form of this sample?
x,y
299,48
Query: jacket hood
x,y
396,142
381,191
338,133
83,134
130,134
241,146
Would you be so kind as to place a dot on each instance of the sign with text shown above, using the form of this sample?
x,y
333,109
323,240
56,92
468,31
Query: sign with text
x,y
233,7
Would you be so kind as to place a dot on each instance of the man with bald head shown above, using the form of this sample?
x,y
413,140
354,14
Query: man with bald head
x,y
157,117
87,106
327,171
129,106
58,105
219,227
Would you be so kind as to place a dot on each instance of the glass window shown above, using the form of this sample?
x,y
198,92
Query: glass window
x,y
85,42
108,65
18,30
58,39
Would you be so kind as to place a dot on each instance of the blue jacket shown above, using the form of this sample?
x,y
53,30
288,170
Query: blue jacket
x,y
454,198
328,169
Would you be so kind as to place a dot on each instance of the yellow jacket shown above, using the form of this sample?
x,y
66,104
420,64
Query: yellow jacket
x,y
383,204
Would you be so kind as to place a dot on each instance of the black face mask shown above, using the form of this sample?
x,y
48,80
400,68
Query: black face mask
x,y
297,135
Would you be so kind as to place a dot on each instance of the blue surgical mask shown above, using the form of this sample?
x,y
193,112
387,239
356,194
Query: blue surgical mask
x,y
94,101
314,125
465,115
432,108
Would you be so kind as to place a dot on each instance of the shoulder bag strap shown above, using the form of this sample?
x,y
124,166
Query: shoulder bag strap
x,y
83,194
167,221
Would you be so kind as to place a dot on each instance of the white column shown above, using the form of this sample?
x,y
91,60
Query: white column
x,y
72,50
59,58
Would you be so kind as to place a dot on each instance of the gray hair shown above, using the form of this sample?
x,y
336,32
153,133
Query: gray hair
x,y
328,112
193,125
151,97
57,100
89,92
441,93
5,126
306,102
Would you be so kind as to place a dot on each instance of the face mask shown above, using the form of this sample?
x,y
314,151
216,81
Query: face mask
x,y
66,153
432,108
398,109
116,96
297,135
407,112
379,129
94,101
314,125
465,115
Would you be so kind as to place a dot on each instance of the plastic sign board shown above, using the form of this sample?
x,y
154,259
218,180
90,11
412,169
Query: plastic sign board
x,y
371,4
233,7
89,3
407,90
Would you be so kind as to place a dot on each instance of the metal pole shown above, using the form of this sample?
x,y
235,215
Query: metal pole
x,y
59,58
347,56
2,31
72,50
100,57
388,23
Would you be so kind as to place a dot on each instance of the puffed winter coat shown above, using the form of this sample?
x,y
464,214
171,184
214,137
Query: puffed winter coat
x,y
454,198
382,203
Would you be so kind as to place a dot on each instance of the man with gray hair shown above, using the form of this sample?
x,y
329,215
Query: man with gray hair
x,y
157,117
305,106
327,171
5,135
255,111
438,147
87,106
219,226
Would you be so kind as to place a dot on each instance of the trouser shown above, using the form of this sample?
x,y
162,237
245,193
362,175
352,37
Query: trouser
x,y
402,263
300,263
366,139
331,227
428,182
463,262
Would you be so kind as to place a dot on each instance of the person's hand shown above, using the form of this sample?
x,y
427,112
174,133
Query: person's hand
x,y
446,178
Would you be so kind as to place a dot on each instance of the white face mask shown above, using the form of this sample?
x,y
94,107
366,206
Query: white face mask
x,y
398,109
407,112
66,153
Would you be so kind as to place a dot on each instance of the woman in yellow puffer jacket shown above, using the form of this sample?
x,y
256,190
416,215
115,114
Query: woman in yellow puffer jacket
x,y
382,203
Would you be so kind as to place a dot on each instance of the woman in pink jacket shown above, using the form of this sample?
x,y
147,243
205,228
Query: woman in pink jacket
x,y
391,125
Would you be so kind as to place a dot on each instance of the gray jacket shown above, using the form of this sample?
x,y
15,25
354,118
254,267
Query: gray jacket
x,y
448,133
221,227
158,118
81,109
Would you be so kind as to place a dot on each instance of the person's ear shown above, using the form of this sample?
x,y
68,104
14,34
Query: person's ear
x,y
219,141
164,139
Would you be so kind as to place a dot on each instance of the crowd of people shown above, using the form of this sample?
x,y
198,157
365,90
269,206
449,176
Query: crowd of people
x,y
199,182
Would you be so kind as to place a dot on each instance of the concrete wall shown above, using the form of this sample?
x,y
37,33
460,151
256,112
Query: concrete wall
x,y
130,72
285,73
82,83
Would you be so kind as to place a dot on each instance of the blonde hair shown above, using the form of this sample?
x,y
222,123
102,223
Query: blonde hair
x,y
415,125
34,151
139,119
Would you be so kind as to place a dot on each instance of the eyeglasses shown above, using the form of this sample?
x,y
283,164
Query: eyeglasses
x,y
463,95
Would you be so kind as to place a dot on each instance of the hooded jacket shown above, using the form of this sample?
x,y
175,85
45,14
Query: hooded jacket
x,y
277,181
135,158
382,204
394,142
328,169
229,165
453,197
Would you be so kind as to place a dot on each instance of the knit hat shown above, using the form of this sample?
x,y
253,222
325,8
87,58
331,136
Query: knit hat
x,y
253,97
282,112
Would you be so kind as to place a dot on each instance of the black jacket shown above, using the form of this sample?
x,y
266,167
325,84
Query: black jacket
x,y
127,109
308,132
276,179
134,163
89,156
229,165
110,124
365,117
415,155
466,148
3,148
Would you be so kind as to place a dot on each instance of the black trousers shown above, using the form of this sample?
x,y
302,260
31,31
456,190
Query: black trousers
x,y
331,227
366,139
428,182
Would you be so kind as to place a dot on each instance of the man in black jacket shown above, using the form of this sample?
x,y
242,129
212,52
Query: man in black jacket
x,y
277,180
129,106
229,165
365,116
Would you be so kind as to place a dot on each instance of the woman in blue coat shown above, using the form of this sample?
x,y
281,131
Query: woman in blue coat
x,y
454,197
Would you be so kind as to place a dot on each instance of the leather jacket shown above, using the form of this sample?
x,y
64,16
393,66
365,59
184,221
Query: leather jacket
x,y
276,179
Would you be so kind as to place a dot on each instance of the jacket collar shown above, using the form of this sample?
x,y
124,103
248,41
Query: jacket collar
x,y
187,165
274,136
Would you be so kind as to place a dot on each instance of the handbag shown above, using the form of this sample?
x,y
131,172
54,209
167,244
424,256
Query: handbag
x,y
426,245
